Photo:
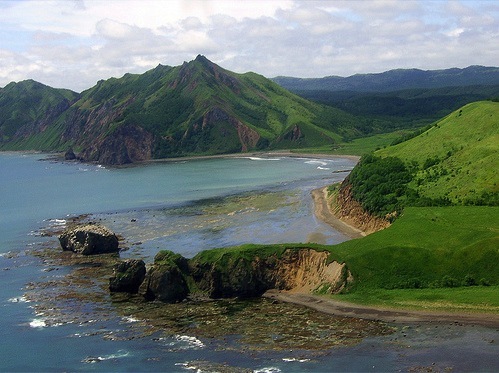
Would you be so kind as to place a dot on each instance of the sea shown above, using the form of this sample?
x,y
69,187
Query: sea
x,y
187,206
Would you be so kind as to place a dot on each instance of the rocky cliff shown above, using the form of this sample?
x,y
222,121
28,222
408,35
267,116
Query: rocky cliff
x,y
347,209
242,274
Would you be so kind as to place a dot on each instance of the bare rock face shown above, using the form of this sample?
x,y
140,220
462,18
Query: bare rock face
x,y
303,270
89,239
128,275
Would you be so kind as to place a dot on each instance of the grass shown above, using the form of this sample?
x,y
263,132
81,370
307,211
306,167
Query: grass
x,y
479,299
359,146
424,246
423,261
457,158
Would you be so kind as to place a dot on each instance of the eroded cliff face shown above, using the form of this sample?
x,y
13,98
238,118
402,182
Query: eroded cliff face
x,y
346,208
295,270
128,144
306,271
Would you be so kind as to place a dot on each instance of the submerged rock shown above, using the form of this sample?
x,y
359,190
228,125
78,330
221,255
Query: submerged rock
x,y
128,275
89,239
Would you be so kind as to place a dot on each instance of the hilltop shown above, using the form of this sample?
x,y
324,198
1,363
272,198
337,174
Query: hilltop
x,y
197,108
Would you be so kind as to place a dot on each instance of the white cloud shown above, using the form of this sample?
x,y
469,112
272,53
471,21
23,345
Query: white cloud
x,y
75,43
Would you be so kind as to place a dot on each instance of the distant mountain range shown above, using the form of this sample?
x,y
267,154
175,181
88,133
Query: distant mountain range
x,y
196,108
395,80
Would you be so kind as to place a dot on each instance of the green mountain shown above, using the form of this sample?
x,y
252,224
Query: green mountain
x,y
28,108
399,99
196,108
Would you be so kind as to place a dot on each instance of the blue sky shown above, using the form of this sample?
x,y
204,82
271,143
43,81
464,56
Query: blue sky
x,y
73,44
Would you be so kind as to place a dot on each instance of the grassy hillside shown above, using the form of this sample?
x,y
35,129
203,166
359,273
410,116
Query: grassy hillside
x,y
27,108
457,158
432,258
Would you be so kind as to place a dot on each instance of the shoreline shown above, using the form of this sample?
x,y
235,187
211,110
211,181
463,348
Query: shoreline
x,y
391,315
277,153
323,212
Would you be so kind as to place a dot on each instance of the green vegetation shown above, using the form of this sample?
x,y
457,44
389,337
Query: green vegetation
x,y
457,158
359,146
480,299
427,247
26,108
433,257
197,108
380,184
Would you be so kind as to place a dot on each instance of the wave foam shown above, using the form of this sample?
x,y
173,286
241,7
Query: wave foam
x,y
186,342
315,161
268,370
262,159
97,359
294,359
21,299
129,319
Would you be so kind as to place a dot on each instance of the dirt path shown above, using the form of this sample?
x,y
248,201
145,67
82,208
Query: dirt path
x,y
334,307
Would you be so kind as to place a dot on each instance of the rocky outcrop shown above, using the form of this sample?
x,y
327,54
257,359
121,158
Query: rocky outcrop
x,y
248,137
166,279
172,278
89,239
127,144
303,270
128,275
347,209
69,155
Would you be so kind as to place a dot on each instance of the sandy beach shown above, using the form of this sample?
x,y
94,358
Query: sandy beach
x,y
323,212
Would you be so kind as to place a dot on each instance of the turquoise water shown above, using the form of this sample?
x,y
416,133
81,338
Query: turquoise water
x,y
186,207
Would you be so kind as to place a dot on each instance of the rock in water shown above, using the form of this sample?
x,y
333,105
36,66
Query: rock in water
x,y
165,280
128,275
89,239
70,155
164,283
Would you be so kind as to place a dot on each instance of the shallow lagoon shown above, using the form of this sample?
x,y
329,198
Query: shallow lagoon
x,y
184,207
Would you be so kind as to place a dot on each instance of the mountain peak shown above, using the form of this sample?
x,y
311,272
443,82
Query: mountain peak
x,y
201,58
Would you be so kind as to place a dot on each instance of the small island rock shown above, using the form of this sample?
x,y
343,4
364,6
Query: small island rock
x,y
89,239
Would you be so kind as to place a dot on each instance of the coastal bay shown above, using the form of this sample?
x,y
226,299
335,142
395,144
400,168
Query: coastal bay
x,y
90,330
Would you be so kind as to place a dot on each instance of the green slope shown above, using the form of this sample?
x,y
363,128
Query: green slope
x,y
27,108
457,158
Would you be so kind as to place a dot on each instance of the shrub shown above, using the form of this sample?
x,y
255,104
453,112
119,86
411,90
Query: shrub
x,y
469,281
449,282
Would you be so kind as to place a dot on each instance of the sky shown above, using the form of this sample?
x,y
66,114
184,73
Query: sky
x,y
74,43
